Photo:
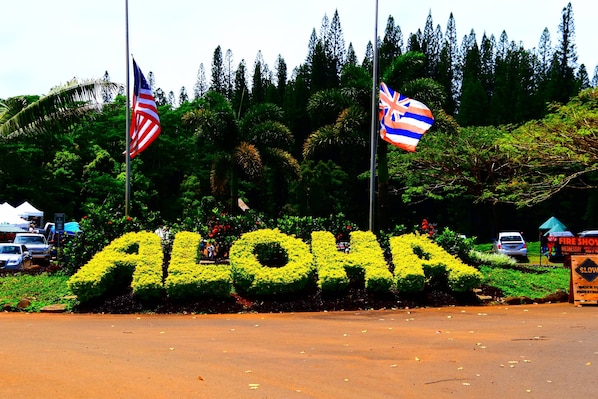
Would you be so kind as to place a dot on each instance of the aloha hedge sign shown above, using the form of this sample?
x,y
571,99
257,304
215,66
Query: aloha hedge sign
x,y
137,259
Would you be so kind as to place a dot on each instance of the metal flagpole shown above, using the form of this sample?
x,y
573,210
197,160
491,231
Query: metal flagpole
x,y
128,123
374,138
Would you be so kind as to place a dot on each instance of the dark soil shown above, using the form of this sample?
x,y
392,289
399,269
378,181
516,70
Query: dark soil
x,y
352,299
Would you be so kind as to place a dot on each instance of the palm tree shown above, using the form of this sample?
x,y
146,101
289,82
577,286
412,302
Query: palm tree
x,y
62,107
343,119
243,146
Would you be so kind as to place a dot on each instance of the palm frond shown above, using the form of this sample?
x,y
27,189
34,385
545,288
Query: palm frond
x,y
62,107
284,161
271,134
247,157
261,113
319,140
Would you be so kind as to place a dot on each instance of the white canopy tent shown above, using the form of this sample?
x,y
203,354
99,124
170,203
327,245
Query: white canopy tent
x,y
7,207
10,218
26,210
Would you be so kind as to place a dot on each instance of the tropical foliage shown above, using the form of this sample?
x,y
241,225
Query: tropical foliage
x,y
513,128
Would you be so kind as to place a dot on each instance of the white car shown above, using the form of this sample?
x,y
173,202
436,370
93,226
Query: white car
x,y
511,243
37,245
15,257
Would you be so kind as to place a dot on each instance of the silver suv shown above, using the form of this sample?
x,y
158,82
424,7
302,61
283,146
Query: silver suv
x,y
36,244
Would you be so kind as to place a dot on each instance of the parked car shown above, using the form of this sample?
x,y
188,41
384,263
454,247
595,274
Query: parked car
x,y
588,233
15,257
511,243
37,245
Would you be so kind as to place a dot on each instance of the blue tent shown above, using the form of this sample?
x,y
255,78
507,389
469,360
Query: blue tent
x,y
70,228
553,224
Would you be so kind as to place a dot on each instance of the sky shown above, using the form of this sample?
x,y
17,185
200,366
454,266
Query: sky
x,y
44,43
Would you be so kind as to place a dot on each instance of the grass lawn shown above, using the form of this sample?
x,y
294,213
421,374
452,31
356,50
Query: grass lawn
x,y
42,289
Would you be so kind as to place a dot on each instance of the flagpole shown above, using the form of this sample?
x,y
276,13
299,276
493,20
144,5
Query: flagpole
x,y
374,137
128,118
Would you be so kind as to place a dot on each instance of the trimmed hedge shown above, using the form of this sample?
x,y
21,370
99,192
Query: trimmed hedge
x,y
329,262
189,280
136,259
133,259
408,272
366,254
432,261
250,276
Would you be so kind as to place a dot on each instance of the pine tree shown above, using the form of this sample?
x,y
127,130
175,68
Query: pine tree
x,y
201,86
160,97
351,56
392,44
311,48
218,83
368,59
473,109
448,65
241,96
260,79
106,92
487,64
544,54
430,44
562,84
183,96
171,99
151,81
229,74
502,46
281,79
336,43
583,80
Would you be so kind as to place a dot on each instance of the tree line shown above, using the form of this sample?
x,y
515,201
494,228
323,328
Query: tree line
x,y
298,144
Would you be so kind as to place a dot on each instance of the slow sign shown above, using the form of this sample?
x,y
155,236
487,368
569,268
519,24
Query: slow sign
x,y
584,278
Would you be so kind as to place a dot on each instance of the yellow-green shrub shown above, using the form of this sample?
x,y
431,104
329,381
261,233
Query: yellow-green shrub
x,y
330,263
434,261
366,258
408,271
134,258
250,276
366,254
189,280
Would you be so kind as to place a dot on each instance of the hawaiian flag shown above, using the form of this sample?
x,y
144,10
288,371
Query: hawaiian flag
x,y
145,123
403,121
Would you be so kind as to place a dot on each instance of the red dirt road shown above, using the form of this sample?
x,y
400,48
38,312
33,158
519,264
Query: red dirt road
x,y
526,351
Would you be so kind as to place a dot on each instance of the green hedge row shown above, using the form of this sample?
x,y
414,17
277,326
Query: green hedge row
x,y
136,258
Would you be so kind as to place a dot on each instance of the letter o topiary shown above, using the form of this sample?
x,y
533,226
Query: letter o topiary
x,y
251,277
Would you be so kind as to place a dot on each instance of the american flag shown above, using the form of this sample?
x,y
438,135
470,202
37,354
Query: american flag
x,y
403,121
145,123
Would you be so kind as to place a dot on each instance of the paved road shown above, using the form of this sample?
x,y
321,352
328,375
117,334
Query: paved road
x,y
525,351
